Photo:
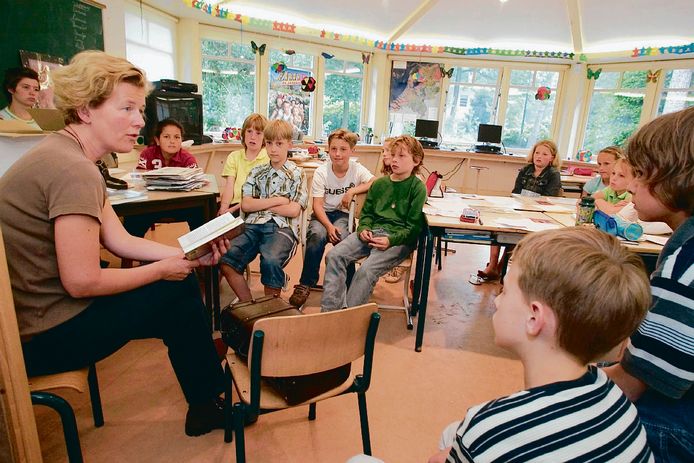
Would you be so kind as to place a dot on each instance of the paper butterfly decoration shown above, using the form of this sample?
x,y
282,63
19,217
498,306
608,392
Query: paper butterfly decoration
x,y
278,67
231,133
327,55
543,93
308,84
258,49
289,52
652,76
448,73
365,58
593,73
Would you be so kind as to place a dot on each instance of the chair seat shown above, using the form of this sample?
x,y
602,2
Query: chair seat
x,y
270,399
76,380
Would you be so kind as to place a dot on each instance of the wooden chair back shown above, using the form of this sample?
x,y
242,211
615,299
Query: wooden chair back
x,y
19,440
305,344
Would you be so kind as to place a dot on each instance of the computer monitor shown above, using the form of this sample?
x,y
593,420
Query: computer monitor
x,y
488,133
426,129
186,108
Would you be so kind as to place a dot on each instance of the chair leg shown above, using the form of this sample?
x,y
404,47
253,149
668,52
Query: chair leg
x,y
364,419
67,416
238,415
312,411
95,396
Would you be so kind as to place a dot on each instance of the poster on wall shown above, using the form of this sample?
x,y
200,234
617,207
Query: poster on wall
x,y
415,90
42,64
286,99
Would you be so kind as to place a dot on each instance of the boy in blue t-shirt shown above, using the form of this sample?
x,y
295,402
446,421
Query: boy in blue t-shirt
x,y
272,199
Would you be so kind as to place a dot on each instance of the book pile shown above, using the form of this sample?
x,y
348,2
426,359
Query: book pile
x,y
175,179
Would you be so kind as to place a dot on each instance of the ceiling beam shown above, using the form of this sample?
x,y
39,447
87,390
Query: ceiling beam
x,y
574,9
420,11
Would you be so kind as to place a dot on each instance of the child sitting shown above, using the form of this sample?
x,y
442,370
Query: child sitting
x,y
165,151
334,185
272,198
606,160
389,226
239,163
612,199
558,316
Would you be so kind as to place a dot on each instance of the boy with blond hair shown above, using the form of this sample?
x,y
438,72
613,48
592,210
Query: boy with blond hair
x,y
558,318
272,199
657,369
333,187
389,226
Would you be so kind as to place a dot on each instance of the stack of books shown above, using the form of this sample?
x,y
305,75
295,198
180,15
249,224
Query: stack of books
x,y
175,179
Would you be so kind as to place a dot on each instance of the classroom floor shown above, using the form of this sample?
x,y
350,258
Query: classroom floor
x,y
413,396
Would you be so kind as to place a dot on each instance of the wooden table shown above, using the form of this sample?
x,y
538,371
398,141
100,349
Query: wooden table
x,y
203,199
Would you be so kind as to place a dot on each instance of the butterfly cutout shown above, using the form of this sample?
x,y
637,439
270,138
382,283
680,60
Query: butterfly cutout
x,y
653,76
365,58
448,73
593,73
327,55
308,84
289,52
258,49
278,67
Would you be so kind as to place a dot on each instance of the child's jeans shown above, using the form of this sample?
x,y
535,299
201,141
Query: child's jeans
x,y
349,250
276,246
668,426
316,239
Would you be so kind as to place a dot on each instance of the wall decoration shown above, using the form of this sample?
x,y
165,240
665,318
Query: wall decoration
x,y
42,64
308,84
593,73
365,58
289,52
258,49
327,55
415,89
278,67
653,76
543,93
231,133
286,99
447,73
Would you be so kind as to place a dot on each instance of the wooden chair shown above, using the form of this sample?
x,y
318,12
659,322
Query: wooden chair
x,y
354,212
36,387
301,345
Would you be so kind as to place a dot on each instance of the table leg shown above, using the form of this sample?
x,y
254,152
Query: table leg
x,y
422,306
418,272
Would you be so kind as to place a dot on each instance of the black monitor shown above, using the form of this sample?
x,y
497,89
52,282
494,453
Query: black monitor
x,y
488,133
426,129
186,108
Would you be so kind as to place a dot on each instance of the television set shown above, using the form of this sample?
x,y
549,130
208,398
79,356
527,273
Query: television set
x,y
488,133
426,129
186,108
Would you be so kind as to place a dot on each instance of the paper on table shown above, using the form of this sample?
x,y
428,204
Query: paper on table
x,y
431,210
661,240
527,224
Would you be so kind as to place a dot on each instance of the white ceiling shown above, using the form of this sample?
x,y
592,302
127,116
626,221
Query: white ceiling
x,y
588,26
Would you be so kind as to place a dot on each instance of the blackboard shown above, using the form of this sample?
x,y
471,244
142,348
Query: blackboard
x,y
59,28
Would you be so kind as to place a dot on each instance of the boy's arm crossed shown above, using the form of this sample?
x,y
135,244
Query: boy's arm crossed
x,y
250,204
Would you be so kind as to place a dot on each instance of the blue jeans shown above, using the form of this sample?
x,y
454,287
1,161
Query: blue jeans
x,y
276,246
316,240
669,426
349,250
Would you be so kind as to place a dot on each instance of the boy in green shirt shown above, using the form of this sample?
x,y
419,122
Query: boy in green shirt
x,y
389,226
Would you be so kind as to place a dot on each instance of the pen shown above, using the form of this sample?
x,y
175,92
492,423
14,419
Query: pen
x,y
480,221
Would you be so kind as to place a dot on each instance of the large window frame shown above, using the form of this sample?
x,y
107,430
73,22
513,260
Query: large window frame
x,y
146,49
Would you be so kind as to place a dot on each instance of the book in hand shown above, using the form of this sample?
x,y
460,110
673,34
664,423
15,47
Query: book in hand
x,y
198,242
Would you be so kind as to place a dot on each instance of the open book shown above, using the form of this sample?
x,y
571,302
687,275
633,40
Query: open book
x,y
197,243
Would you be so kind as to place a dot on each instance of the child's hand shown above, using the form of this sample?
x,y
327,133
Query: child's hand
x,y
380,242
365,236
334,234
621,203
346,199
440,457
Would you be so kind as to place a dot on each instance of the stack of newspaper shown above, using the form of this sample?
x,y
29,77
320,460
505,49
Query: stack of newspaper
x,y
175,179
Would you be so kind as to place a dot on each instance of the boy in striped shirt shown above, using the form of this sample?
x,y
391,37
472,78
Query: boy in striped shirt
x,y
558,316
657,369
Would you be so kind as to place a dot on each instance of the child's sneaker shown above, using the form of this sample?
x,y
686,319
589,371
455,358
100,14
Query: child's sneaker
x,y
394,275
300,295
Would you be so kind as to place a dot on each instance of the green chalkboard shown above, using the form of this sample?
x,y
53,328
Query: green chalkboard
x,y
58,28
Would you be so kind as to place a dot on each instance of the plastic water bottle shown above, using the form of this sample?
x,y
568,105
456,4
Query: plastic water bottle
x,y
586,209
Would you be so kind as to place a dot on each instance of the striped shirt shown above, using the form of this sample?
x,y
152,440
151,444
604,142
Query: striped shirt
x,y
265,182
587,419
661,351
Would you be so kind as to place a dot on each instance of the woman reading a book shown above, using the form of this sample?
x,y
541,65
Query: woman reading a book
x,y
55,217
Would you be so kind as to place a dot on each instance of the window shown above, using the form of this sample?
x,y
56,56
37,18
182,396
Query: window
x,y
149,42
286,100
615,108
529,119
678,91
342,97
476,90
228,79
